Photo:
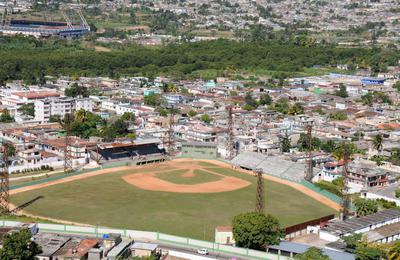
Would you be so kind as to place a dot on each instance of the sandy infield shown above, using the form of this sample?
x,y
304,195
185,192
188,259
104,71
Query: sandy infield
x,y
150,181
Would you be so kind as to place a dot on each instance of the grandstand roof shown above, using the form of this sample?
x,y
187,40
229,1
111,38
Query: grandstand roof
x,y
272,165
130,143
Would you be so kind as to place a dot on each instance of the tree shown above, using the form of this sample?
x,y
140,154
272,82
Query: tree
x,y
154,100
128,116
281,105
296,109
250,100
265,99
365,251
285,144
352,242
342,92
312,253
338,115
206,118
394,251
11,150
377,142
75,90
5,116
397,193
192,113
344,151
27,109
18,245
365,207
256,230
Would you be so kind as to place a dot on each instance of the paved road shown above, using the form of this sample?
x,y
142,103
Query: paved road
x,y
193,250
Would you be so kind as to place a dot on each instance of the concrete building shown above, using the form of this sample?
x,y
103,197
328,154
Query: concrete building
x,y
336,230
48,107
224,235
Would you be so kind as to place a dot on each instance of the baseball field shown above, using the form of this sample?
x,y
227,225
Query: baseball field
x,y
182,197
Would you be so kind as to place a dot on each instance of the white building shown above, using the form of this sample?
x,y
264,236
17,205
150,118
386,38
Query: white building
x,y
59,107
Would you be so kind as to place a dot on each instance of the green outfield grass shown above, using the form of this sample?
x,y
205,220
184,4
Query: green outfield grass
x,y
179,178
107,200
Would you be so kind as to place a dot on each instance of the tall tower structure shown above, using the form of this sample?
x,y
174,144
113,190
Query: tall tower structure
x,y
169,138
67,144
4,181
230,142
309,164
345,189
260,203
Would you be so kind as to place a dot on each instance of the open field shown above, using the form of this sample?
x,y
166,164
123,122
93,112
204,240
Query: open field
x,y
105,198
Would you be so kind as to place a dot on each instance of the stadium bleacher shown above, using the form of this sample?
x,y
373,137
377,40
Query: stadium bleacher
x,y
272,165
138,150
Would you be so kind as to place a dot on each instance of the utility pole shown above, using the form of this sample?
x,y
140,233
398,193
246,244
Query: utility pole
x,y
260,203
309,164
4,181
230,145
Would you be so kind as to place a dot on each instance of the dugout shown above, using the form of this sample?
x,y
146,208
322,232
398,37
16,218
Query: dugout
x,y
199,150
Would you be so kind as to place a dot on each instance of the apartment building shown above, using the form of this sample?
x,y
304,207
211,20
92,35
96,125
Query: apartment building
x,y
48,107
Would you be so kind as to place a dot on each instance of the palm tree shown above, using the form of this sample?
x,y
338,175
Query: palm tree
x,y
394,251
344,151
377,143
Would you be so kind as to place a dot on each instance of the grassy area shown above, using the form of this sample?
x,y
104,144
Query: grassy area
x,y
179,177
107,200
34,178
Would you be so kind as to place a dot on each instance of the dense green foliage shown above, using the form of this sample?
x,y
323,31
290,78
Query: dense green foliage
x,y
285,144
365,207
86,124
75,91
27,109
31,59
342,92
18,245
256,230
313,253
352,242
5,117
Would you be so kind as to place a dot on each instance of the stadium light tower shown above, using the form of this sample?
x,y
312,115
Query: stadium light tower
x,y
230,142
4,181
309,164
260,203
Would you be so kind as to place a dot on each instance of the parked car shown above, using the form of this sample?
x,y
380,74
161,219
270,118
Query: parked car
x,y
202,251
